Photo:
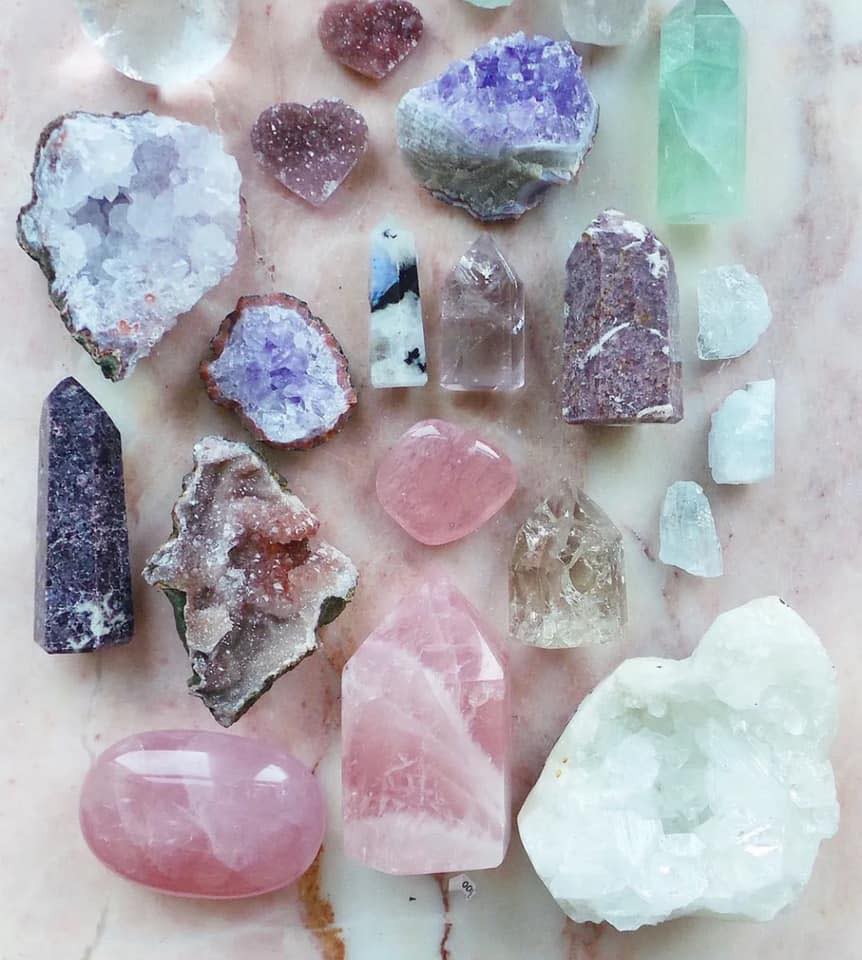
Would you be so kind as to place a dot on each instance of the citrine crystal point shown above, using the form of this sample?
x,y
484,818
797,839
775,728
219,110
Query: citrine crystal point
x,y
248,577
702,114
688,538
427,739
482,322
83,576
568,585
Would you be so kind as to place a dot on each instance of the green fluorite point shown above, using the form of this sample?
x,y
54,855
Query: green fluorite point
x,y
702,114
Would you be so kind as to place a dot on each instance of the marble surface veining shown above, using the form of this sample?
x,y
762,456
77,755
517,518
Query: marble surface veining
x,y
796,535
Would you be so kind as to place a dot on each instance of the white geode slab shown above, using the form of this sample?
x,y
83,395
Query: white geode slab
x,y
133,219
734,312
693,787
742,436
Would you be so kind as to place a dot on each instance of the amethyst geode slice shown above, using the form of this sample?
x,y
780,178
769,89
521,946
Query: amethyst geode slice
x,y
248,578
281,369
133,219
494,132
621,343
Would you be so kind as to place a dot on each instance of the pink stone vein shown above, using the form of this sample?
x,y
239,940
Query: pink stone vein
x,y
441,482
202,814
426,726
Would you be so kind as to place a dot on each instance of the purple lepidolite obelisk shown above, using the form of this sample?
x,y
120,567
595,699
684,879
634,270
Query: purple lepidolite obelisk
x,y
83,578
621,345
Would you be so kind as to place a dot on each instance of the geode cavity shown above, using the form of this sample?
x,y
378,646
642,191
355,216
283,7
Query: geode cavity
x,y
133,219
249,580
495,132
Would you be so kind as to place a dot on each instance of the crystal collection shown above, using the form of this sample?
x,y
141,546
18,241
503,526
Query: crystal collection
x,y
693,787
742,435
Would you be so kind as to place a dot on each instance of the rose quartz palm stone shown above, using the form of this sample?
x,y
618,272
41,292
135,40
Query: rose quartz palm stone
x,y
202,814
426,740
440,482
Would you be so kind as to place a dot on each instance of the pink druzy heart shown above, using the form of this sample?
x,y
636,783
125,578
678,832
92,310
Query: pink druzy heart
x,y
440,482
370,37
310,150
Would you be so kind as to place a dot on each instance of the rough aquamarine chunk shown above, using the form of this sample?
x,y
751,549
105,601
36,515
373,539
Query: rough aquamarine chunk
x,y
606,23
397,336
687,536
742,437
482,323
703,101
568,586
495,132
490,4
83,577
734,312
692,787
133,219
621,342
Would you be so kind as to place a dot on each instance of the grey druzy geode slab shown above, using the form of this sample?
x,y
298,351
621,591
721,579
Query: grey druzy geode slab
x,y
83,577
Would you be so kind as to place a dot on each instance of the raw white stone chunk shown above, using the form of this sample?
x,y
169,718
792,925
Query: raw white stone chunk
x,y
693,787
606,23
742,438
734,312
688,538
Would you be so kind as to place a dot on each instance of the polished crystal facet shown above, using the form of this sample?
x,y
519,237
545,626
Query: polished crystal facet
x,y
742,437
734,312
693,787
482,325
606,23
688,538
702,114
161,41
568,585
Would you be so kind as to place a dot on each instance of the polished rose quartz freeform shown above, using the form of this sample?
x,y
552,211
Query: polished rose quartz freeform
x,y
426,740
202,814
440,482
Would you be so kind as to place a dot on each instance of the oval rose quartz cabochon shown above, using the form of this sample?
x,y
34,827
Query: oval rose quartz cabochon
x,y
202,814
440,482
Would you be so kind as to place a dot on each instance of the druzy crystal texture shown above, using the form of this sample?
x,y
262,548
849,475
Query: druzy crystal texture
x,y
427,740
693,787
687,535
567,586
703,100
606,23
441,482
742,435
733,310
161,41
495,132
199,814
370,36
83,577
133,219
281,369
397,333
621,344
248,578
310,150
482,322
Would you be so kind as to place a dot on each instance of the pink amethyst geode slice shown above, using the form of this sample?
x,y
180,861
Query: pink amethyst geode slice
x,y
198,814
248,578
281,369
370,36
440,482
426,740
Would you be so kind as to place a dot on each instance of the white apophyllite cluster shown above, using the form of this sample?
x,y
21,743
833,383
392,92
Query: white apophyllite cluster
x,y
133,219
693,787
742,436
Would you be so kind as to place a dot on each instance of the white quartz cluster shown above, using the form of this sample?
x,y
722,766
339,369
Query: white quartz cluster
x,y
742,436
700,786
134,218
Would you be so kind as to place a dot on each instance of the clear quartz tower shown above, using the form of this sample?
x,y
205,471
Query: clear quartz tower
x,y
482,322
702,114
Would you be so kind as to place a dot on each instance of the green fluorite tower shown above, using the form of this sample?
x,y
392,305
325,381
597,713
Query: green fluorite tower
x,y
702,114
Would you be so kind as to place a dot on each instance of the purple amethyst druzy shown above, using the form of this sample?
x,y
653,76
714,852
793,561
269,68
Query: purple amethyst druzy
x,y
83,577
621,344
282,370
494,132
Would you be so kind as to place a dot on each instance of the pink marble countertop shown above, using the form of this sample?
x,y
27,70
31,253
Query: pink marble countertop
x,y
794,536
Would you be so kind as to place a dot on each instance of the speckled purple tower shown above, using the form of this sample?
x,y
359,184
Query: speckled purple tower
x,y
83,577
621,346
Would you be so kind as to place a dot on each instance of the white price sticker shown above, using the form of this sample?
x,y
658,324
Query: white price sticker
x,y
464,885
